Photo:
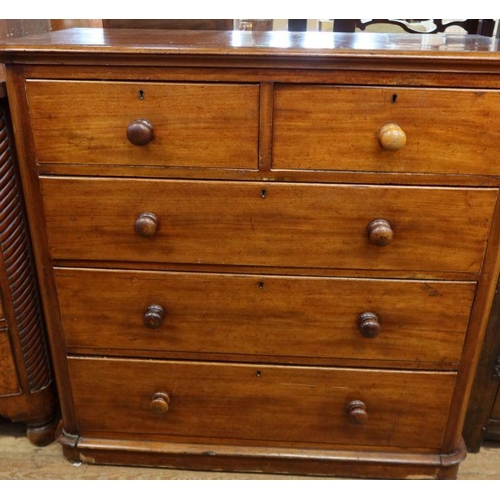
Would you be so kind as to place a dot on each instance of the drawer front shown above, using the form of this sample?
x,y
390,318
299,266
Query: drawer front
x,y
267,224
261,402
264,315
337,128
8,374
194,125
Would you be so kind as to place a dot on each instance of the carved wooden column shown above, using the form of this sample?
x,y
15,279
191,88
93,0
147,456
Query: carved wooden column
x,y
26,385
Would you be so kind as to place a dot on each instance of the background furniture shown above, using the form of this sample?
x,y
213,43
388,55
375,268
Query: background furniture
x,y
186,24
191,24
471,26
483,415
27,392
14,28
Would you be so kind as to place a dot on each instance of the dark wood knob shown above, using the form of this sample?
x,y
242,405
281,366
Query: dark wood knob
x,y
153,317
356,411
140,132
368,325
392,137
380,232
159,403
146,225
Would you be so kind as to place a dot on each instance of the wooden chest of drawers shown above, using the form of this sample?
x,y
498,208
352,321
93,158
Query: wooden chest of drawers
x,y
260,251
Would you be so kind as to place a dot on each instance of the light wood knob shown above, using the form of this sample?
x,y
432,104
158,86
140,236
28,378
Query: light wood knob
x,y
356,412
380,232
159,403
140,132
392,137
146,225
369,325
153,317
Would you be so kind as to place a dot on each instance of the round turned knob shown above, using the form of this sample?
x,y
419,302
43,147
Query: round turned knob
x,y
368,325
392,137
140,132
380,232
153,317
356,411
146,225
159,402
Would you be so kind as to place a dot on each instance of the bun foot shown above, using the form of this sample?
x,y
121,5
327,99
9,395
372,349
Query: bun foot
x,y
42,433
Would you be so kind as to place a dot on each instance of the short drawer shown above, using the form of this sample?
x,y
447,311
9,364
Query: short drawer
x,y
316,406
268,224
264,315
338,128
193,125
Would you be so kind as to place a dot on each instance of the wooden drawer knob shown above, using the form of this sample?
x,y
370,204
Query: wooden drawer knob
x,y
380,232
159,403
356,411
392,137
140,132
368,325
153,317
146,225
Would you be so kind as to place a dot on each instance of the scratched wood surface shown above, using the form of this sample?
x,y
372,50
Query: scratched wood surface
x,y
19,459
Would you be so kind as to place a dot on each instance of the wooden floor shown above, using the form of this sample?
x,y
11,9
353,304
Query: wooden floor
x,y
19,459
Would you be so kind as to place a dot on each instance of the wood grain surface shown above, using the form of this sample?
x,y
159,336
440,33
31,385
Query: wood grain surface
x,y
336,128
9,383
19,459
213,125
237,223
295,404
261,314
485,390
377,47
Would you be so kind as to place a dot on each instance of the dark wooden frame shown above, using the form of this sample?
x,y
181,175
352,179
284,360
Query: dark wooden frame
x,y
480,425
471,26
35,401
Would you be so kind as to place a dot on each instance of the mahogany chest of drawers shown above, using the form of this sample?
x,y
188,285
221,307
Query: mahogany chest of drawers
x,y
262,251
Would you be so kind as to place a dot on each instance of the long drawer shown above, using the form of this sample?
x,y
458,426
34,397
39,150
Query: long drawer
x,y
341,128
261,402
264,315
268,224
176,124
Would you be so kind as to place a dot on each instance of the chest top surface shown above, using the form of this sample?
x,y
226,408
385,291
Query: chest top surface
x,y
259,46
